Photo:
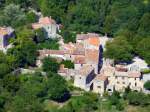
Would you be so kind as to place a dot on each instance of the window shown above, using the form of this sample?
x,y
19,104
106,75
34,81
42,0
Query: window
x,y
129,84
98,86
109,89
122,78
135,84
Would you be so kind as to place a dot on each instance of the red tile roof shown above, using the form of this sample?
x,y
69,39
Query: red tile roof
x,y
47,20
121,68
134,74
44,52
86,36
92,55
79,60
43,21
94,41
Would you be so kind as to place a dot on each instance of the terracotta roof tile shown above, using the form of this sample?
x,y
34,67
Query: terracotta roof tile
x,y
46,20
134,74
79,60
94,41
44,52
42,22
92,55
121,68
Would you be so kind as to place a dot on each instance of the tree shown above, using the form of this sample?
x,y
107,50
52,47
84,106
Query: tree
x,y
122,15
119,49
33,85
4,69
25,53
114,98
144,28
11,83
24,104
147,85
134,99
31,17
119,106
50,64
12,16
24,33
58,92
40,35
22,3
68,36
49,44
68,64
143,49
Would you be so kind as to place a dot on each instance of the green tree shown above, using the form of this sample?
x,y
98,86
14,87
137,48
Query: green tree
x,y
22,3
33,85
40,35
134,99
31,17
119,49
58,92
25,53
4,69
50,64
119,106
11,83
25,103
143,48
114,98
68,64
68,36
144,28
12,15
147,85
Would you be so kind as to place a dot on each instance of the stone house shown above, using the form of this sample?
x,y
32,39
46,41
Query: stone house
x,y
67,73
100,83
5,34
124,78
135,80
84,78
49,25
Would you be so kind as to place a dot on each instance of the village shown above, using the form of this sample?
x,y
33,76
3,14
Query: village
x,y
91,71
74,56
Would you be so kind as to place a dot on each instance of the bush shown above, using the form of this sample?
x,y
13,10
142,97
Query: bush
x,y
49,44
119,106
50,64
138,98
68,64
147,85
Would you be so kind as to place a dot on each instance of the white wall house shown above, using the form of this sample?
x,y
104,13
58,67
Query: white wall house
x,y
84,78
49,25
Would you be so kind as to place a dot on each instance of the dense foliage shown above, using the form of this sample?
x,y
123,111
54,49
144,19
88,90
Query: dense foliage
x,y
50,64
68,64
119,49
147,85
